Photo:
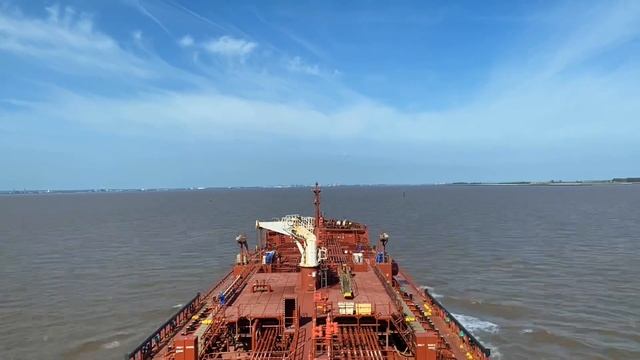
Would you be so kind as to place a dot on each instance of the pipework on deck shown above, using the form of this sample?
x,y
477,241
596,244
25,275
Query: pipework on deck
x,y
313,288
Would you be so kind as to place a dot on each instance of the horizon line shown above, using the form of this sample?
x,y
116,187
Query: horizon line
x,y
150,189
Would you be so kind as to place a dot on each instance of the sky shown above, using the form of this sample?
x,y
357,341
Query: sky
x,y
176,93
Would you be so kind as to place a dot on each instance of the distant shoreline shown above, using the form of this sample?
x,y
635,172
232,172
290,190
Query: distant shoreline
x,y
614,181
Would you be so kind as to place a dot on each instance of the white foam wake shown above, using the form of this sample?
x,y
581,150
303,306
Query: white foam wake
x,y
434,294
111,345
476,325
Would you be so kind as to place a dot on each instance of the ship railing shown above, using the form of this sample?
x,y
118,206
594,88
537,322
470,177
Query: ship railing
x,y
218,284
296,220
473,342
156,340
393,295
398,317
230,295
229,290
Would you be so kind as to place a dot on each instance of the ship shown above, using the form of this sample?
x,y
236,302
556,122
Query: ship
x,y
313,287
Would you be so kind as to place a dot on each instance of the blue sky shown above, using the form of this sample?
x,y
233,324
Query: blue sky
x,y
174,93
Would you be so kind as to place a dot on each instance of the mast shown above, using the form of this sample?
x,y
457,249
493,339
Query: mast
x,y
316,202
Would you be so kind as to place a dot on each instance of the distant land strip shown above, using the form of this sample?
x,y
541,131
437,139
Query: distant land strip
x,y
614,181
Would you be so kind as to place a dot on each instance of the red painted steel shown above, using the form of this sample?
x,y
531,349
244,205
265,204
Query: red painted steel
x,y
282,311
178,344
190,347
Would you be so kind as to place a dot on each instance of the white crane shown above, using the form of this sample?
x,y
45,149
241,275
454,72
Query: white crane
x,y
301,229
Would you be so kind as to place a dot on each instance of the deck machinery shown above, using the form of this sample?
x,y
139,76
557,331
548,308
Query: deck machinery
x,y
313,288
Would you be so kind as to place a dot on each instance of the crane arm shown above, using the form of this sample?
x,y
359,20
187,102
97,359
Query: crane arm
x,y
301,230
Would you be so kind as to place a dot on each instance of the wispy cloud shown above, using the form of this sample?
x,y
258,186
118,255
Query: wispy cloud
x,y
528,109
143,9
198,16
296,64
186,41
307,45
598,30
580,110
68,42
230,46
15,102
297,39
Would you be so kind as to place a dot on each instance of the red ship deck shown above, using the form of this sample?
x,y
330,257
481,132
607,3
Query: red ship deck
x,y
264,304
314,288
270,305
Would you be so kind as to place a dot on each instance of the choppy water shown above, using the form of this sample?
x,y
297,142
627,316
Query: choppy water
x,y
535,272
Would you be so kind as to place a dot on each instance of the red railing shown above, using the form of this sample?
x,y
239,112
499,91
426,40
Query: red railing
x,y
157,339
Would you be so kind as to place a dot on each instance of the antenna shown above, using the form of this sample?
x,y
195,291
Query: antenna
x,y
316,203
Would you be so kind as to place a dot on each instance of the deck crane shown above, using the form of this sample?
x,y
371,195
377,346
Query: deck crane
x,y
301,229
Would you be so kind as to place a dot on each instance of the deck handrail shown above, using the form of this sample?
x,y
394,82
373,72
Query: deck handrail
x,y
166,330
472,339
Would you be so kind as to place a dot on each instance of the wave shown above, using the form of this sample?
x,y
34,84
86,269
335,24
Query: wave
x,y
430,288
177,306
111,345
476,325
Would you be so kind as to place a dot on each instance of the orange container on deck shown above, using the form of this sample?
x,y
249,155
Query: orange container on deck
x,y
178,344
186,347
190,347
426,345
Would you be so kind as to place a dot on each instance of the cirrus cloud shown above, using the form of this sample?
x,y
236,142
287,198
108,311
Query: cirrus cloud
x,y
186,41
230,46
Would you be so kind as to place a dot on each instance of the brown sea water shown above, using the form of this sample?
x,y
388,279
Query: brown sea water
x,y
534,272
